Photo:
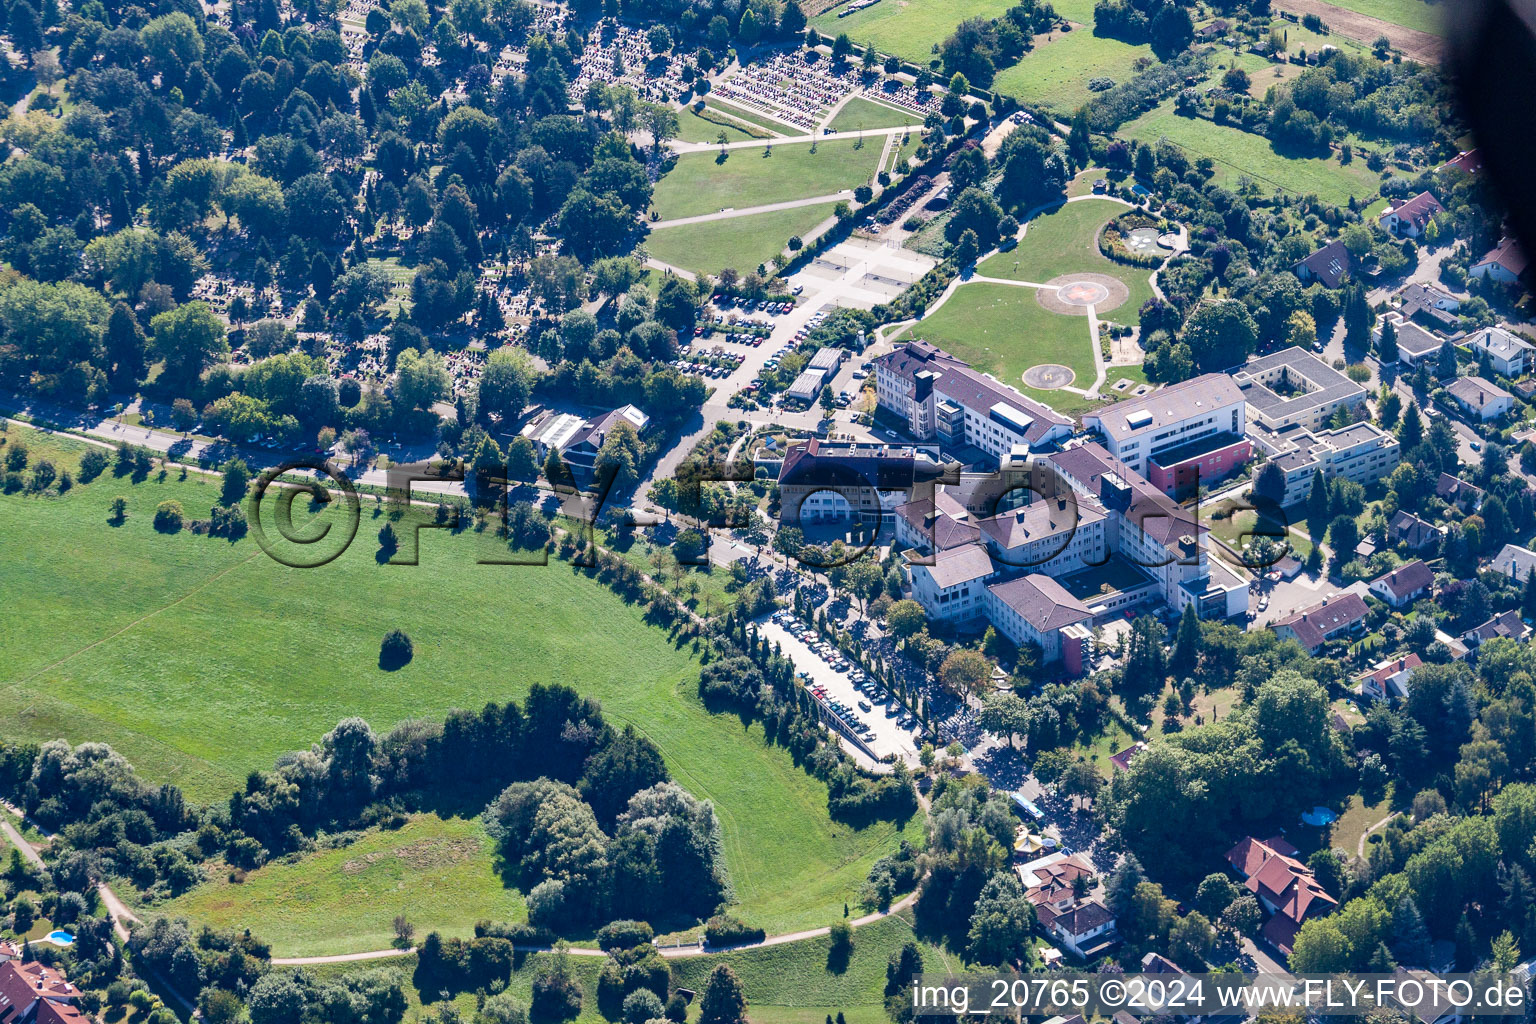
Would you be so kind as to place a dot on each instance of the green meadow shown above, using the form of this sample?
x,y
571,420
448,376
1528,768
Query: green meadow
x,y
201,659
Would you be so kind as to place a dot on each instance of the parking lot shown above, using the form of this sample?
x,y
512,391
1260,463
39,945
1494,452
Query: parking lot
x,y
871,709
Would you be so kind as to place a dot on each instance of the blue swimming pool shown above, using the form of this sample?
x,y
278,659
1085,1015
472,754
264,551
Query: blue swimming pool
x,y
61,938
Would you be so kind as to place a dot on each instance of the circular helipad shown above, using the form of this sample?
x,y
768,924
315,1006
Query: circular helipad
x,y
1072,294
1049,376
1082,293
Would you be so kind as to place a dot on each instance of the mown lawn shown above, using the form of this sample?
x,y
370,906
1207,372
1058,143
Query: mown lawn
x,y
1238,153
1003,329
1056,74
706,127
863,113
1063,241
907,28
702,183
792,983
741,242
438,872
201,659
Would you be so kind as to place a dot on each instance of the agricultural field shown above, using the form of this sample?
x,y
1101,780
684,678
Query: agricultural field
x,y
1056,74
1238,153
860,113
168,647
910,29
440,873
741,242
1004,330
1418,15
1064,240
703,183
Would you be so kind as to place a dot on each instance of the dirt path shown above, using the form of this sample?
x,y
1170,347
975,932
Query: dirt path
x,y
1416,45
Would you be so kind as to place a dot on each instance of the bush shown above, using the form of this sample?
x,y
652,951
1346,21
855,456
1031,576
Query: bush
x,y
624,935
92,464
726,930
396,651
641,1005
168,516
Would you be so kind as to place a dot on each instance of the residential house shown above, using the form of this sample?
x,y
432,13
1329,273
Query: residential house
x,y
1413,533
1413,342
1333,618
50,1012
1390,679
579,440
1505,263
1506,625
25,988
1156,963
1430,1003
1508,354
1456,491
1122,761
1425,302
1514,562
1285,887
1479,399
1082,924
1409,218
1404,585
1329,266
1469,161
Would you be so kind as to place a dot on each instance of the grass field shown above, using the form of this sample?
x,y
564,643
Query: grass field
x,y
740,242
1056,74
785,984
1414,14
1239,153
700,183
706,127
171,647
752,117
907,28
1003,330
438,873
867,114
1063,241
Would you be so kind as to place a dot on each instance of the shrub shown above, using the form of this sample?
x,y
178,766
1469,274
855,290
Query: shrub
x,y
624,935
396,651
92,464
168,516
640,1006
727,930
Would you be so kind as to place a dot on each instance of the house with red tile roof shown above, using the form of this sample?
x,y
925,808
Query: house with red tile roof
x,y
25,988
1331,619
1285,887
1404,585
1389,679
1504,263
1409,218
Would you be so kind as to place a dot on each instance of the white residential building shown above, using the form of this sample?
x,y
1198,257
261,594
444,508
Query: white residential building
x,y
1508,354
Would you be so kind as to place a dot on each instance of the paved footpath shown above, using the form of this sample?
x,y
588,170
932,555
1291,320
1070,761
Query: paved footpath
x,y
671,952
